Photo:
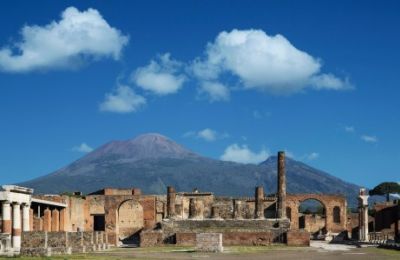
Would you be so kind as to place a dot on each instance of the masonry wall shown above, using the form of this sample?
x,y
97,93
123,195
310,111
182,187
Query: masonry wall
x,y
40,243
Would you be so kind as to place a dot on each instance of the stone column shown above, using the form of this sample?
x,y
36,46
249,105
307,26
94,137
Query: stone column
x,y
259,199
238,210
196,209
363,215
6,217
55,220
215,212
16,227
171,196
47,220
281,185
25,217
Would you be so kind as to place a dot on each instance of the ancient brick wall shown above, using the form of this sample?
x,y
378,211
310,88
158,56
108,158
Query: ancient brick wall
x,y
298,238
112,205
151,238
236,238
330,202
387,218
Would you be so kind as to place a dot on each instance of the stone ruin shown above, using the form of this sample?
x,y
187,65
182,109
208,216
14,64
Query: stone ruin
x,y
115,217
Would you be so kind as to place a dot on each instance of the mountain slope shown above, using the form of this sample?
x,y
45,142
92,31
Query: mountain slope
x,y
152,162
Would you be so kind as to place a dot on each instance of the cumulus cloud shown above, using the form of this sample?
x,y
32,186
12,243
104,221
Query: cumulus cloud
x,y
82,148
242,154
122,100
206,134
263,62
214,91
162,76
369,138
75,38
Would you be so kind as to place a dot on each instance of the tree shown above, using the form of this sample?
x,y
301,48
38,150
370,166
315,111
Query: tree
x,y
385,188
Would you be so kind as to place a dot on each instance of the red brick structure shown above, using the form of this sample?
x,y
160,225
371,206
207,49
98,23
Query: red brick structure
x,y
335,210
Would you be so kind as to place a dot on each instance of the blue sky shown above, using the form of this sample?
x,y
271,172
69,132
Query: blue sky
x,y
228,79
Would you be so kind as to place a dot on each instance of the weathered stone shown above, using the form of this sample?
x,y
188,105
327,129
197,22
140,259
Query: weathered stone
x,y
209,242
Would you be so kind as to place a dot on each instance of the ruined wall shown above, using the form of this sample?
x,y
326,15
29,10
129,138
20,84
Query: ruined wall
x,y
329,202
112,205
40,243
78,214
387,218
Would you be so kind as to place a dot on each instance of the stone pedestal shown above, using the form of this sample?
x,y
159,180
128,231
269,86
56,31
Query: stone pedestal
x,y
209,242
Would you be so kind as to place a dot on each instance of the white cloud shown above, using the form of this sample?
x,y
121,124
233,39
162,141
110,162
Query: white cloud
x,y
122,100
215,91
312,156
349,129
82,148
206,134
160,77
63,44
242,154
263,62
369,138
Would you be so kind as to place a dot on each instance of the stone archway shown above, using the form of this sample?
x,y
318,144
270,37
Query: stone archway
x,y
335,210
130,221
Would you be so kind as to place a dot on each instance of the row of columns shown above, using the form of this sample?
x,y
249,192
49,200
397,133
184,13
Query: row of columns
x,y
12,222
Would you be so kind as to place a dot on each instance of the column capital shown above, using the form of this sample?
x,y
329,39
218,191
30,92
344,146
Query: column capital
x,y
15,203
5,202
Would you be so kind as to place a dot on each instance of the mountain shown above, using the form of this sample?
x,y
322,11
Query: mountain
x,y
152,162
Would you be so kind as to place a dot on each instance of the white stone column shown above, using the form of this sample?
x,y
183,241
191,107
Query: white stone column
x,y
6,217
25,217
16,227
363,215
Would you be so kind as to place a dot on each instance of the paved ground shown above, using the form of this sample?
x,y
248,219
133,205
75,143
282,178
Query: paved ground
x,y
318,251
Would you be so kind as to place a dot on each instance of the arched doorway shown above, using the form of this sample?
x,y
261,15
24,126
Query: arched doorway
x,y
130,221
312,217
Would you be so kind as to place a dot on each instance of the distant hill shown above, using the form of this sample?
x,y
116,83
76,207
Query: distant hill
x,y
152,162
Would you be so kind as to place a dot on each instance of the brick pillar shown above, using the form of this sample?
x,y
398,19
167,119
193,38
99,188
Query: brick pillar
x,y
31,219
6,217
281,185
55,220
16,226
259,198
25,217
63,219
47,220
171,196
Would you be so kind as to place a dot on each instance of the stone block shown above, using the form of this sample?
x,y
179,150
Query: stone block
x,y
209,242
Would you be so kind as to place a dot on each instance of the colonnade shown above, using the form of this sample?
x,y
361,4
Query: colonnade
x,y
11,218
